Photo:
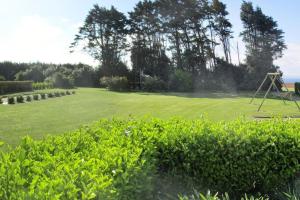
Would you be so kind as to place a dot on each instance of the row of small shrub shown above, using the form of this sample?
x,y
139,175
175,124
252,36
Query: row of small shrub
x,y
119,159
15,86
29,98
42,85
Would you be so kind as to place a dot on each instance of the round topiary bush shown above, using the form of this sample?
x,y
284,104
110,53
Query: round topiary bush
x,y
73,92
20,99
28,98
57,94
43,96
11,100
62,93
36,97
50,95
68,92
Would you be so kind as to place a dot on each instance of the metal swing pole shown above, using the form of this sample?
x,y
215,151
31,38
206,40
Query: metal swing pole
x,y
258,90
273,79
278,92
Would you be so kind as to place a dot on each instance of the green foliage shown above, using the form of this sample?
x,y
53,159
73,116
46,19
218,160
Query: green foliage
x,y
42,85
2,78
15,86
116,83
209,196
28,98
43,96
68,92
181,81
61,81
152,84
57,94
11,100
35,97
20,99
51,95
62,93
117,159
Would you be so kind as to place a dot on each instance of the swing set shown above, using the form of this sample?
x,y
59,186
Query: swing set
x,y
274,77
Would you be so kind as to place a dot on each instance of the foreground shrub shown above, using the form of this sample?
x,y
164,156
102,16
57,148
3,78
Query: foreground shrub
x,y
15,86
117,159
20,99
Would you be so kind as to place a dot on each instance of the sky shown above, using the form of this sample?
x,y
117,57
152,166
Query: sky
x,y
42,30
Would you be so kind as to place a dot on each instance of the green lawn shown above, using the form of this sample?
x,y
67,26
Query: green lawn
x,y
58,115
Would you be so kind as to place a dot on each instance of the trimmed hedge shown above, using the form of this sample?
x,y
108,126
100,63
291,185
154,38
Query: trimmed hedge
x,y
15,86
117,159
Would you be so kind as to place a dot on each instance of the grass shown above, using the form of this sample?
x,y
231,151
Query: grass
x,y
58,115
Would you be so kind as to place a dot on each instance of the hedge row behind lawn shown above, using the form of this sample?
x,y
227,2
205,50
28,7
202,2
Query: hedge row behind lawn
x,y
34,96
15,86
119,159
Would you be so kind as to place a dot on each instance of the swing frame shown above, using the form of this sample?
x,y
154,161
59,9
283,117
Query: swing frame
x,y
273,77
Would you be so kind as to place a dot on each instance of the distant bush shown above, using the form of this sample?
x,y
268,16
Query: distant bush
x,y
73,92
68,92
11,100
50,95
2,78
152,84
42,85
43,96
62,93
61,81
57,94
28,98
20,99
105,81
117,83
35,97
297,88
15,86
181,81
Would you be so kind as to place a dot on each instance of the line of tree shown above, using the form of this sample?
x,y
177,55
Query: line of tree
x,y
61,75
178,45
172,40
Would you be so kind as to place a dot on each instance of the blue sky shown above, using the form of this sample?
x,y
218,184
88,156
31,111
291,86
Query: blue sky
x,y
42,30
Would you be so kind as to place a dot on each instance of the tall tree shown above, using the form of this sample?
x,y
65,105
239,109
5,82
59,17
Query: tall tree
x,y
104,36
264,40
222,26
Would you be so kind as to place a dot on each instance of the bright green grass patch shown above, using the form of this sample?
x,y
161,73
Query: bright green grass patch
x,y
59,115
